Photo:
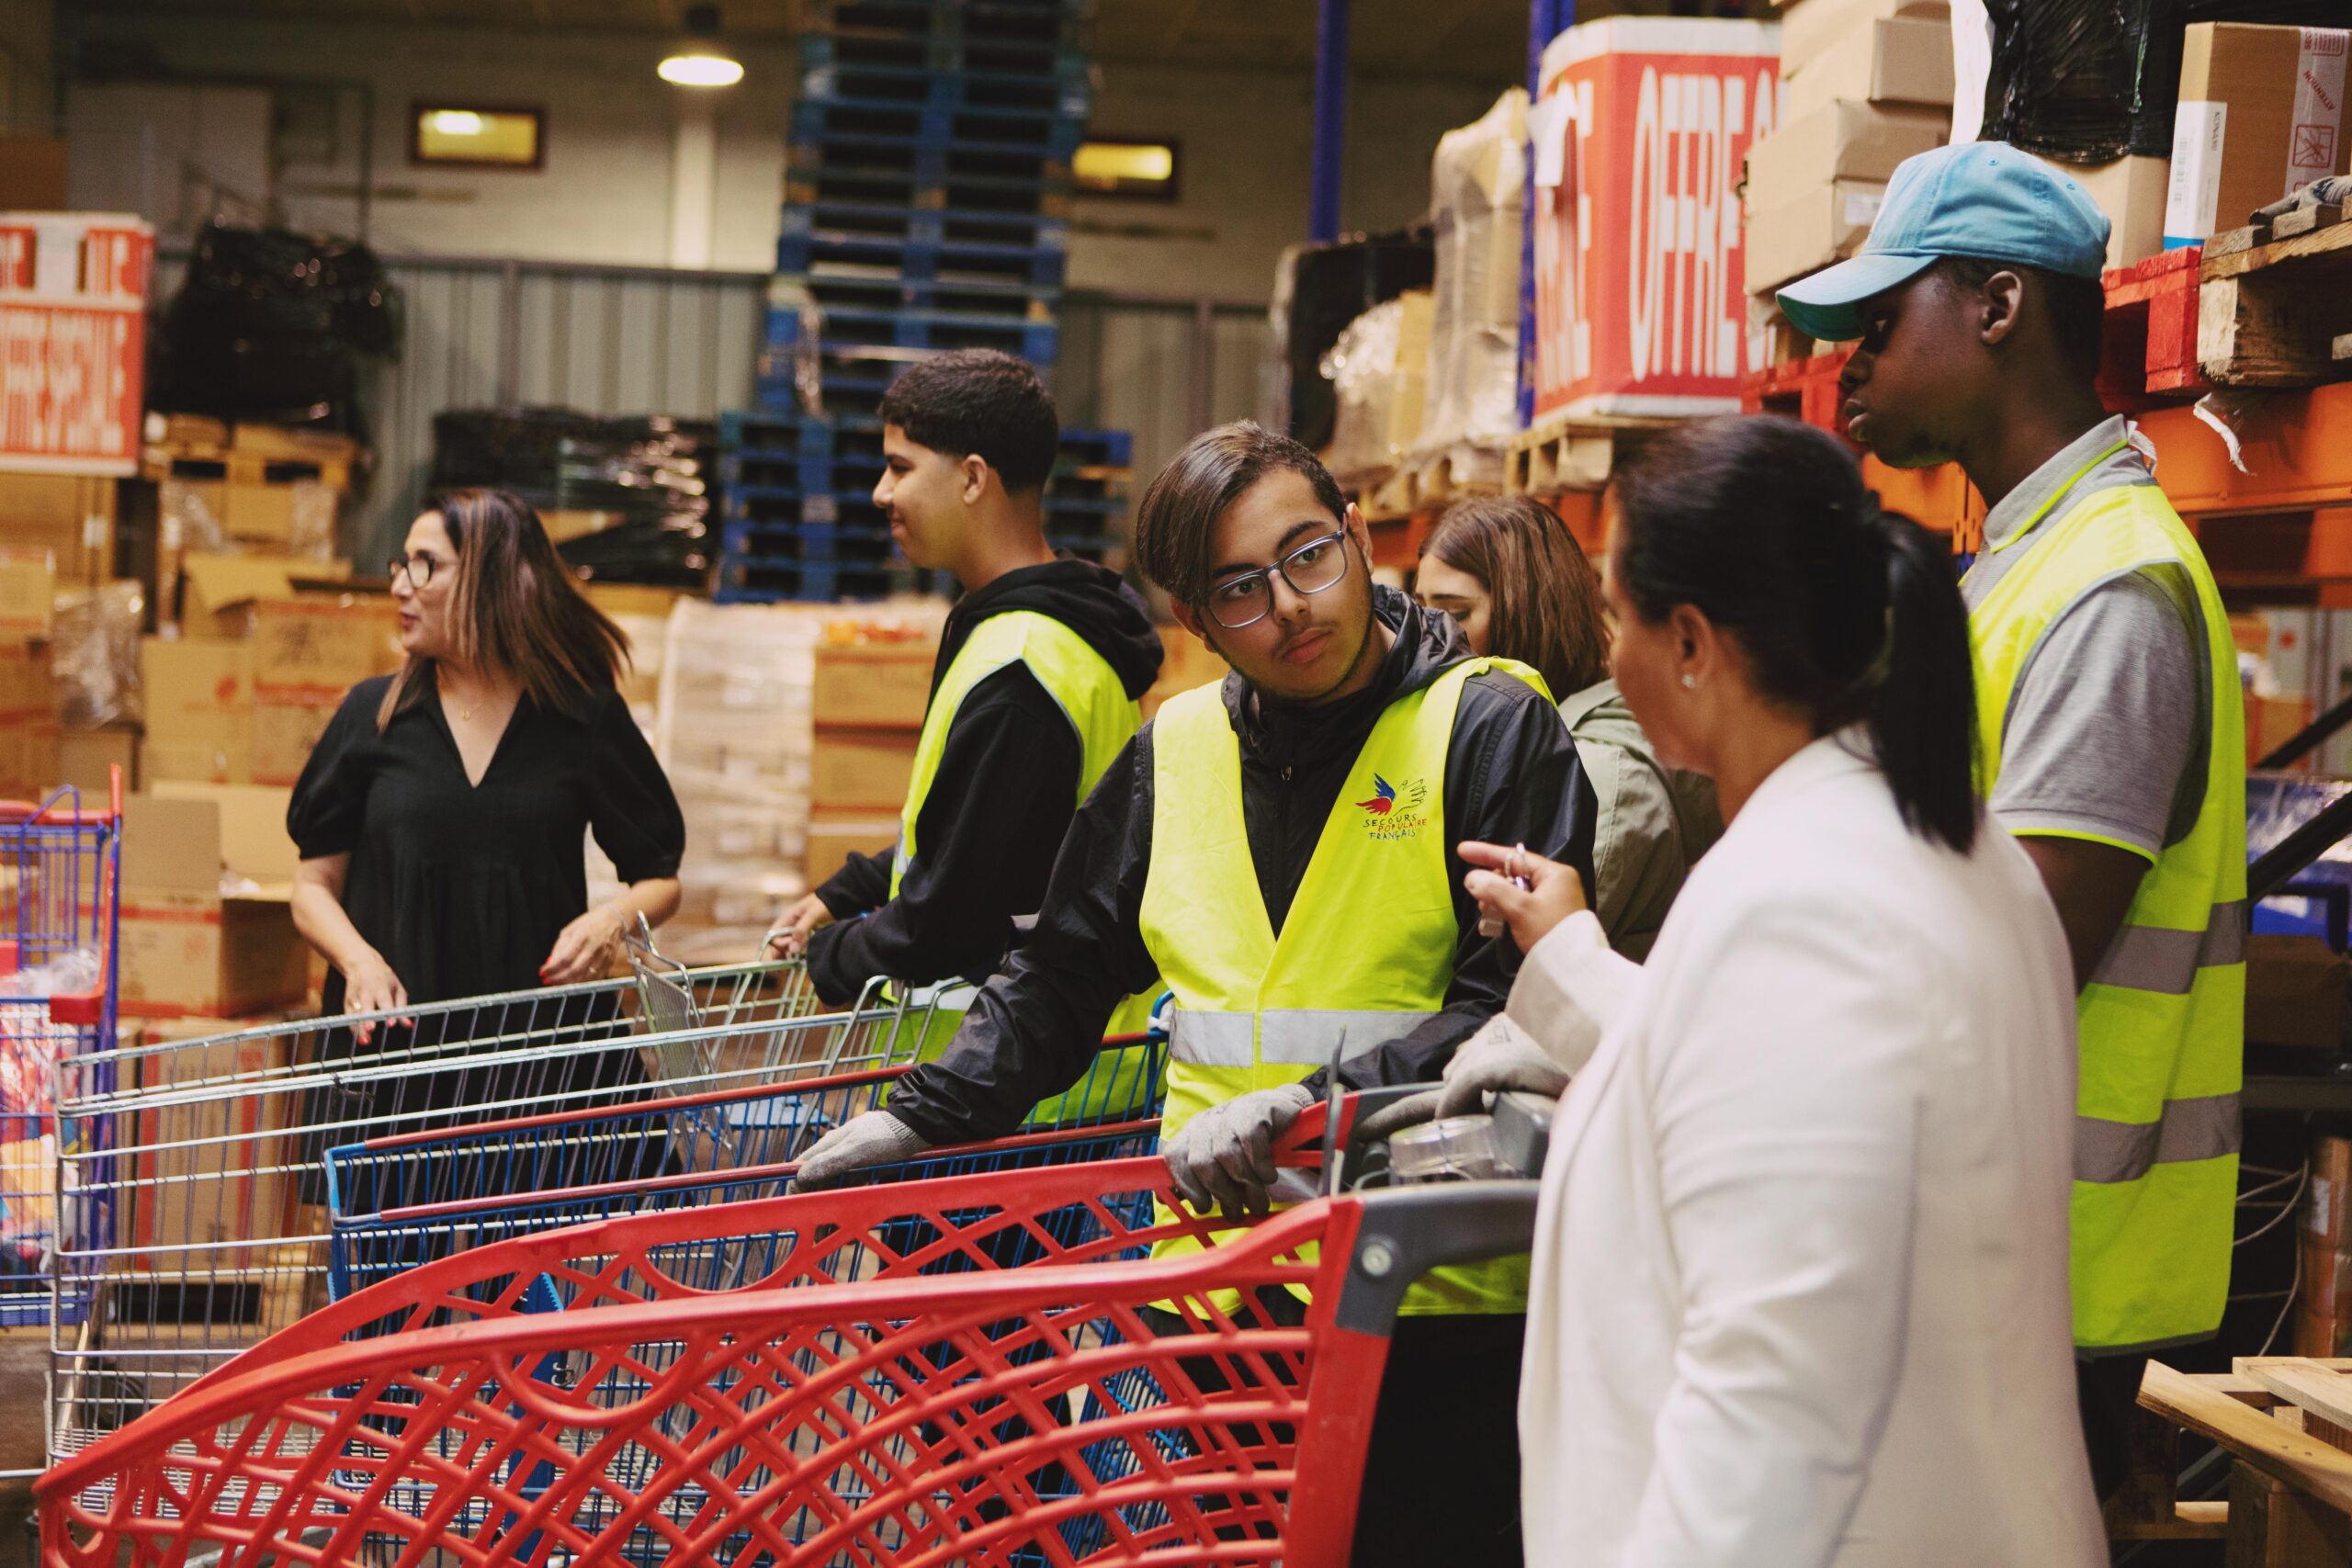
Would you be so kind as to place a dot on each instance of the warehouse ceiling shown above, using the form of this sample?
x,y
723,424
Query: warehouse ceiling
x,y
1480,41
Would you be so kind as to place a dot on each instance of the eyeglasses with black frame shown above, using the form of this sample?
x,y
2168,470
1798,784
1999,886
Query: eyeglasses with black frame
x,y
1246,600
419,567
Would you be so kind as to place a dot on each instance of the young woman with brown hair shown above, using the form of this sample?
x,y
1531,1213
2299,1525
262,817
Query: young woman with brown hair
x,y
443,816
1511,576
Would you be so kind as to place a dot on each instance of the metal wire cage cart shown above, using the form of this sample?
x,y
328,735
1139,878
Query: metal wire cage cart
x,y
59,870
852,1399
193,1169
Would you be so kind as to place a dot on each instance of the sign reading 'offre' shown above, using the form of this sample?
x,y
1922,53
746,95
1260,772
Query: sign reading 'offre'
x,y
73,341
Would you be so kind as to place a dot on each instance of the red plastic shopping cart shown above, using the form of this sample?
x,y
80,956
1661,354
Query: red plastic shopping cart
x,y
1093,1408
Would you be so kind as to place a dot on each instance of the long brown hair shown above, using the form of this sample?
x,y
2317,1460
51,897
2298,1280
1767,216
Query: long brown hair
x,y
515,611
1544,597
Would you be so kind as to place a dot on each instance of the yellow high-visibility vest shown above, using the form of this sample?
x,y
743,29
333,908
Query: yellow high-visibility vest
x,y
2163,1021
1367,950
1090,696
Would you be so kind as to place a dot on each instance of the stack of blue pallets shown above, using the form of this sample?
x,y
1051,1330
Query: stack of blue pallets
x,y
927,205
801,523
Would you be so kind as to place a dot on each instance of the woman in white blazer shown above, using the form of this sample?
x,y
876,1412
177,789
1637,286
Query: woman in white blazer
x,y
1799,1278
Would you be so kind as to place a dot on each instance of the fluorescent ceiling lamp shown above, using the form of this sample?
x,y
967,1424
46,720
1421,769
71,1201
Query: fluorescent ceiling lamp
x,y
1110,162
456,122
701,60
701,69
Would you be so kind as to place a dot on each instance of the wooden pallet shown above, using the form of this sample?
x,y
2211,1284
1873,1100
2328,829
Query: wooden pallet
x,y
1428,484
2286,1421
1563,455
2274,301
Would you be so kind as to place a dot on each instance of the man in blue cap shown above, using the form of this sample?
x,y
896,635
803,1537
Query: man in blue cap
x,y
2111,726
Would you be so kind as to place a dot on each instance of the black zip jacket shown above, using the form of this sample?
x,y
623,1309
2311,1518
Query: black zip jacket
x,y
1511,776
1002,799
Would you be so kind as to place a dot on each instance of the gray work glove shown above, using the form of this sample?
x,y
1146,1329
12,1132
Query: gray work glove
x,y
856,1147
1500,1056
1225,1155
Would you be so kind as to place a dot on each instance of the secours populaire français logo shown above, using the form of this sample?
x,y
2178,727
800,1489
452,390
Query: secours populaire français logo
x,y
1395,811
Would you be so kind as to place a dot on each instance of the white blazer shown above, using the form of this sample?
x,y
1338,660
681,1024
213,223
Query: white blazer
x,y
1800,1288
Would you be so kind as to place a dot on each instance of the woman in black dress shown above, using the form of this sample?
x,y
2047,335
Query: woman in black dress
x,y
442,822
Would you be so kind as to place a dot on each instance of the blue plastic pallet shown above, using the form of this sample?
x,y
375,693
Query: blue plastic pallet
x,y
1098,448
1051,50
928,163
1046,136
980,194
988,298
842,254
853,334
755,543
759,583
1069,94
917,227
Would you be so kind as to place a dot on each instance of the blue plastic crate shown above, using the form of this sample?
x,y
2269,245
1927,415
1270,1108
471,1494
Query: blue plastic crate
x,y
847,511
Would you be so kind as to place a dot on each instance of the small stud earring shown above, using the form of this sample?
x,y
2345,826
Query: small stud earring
x,y
1690,682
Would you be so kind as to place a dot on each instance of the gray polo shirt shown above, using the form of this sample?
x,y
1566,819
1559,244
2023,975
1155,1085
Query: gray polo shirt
x,y
2109,724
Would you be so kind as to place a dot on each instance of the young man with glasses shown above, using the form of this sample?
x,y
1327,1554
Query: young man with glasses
x,y
1032,694
1282,850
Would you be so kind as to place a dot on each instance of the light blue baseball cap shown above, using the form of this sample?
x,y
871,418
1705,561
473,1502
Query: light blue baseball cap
x,y
1978,199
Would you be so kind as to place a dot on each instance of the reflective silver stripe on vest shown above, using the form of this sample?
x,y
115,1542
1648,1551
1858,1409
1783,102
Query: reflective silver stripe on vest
x,y
2151,958
1292,1036
2205,1128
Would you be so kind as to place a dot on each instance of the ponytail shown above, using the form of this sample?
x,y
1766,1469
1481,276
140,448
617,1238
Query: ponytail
x,y
1845,612
1922,709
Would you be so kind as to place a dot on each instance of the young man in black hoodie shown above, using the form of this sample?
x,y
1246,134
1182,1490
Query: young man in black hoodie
x,y
1283,851
1032,694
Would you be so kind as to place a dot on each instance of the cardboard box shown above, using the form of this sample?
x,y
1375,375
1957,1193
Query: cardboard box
x,y
25,690
254,844
70,517
87,757
199,704
2132,193
2325,1201
2295,992
1823,226
2261,111
864,769
872,685
217,593
187,950
287,726
1900,62
214,1173
832,839
28,594
1845,140
28,759
313,647
1814,28
1641,282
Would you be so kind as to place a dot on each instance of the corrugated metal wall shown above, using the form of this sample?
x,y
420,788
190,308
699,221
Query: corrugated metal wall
x,y
622,341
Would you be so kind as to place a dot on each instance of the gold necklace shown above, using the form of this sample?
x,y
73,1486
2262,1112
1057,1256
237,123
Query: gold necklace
x,y
465,712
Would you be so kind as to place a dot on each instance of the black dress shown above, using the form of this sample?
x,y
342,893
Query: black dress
x,y
464,888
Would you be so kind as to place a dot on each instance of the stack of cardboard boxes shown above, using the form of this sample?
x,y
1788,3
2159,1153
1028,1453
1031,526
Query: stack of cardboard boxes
x,y
1865,83
866,708
27,722
241,690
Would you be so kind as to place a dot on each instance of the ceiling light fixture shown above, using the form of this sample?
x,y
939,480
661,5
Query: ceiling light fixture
x,y
701,60
456,122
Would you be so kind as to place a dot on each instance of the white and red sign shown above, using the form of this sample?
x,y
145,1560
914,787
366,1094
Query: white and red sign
x,y
1640,139
73,341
